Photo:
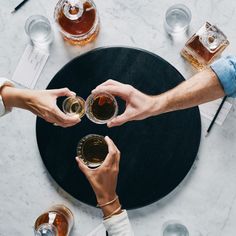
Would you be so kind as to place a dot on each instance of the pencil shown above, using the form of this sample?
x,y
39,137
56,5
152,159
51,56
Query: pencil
x,y
19,6
216,115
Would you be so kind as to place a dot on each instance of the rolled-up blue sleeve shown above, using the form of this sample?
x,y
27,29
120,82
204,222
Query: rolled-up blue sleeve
x,y
225,69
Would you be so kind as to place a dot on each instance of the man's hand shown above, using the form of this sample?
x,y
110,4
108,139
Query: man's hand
x,y
138,105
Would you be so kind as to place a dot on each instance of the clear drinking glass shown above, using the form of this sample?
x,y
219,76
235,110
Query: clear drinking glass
x,y
174,228
101,107
92,150
177,19
39,30
74,106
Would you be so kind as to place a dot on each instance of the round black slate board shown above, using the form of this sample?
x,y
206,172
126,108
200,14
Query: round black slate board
x,y
156,153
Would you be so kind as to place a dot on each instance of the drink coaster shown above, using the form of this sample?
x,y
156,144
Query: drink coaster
x,y
156,153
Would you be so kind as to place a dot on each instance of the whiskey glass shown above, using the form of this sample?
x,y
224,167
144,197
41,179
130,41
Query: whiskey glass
x,y
74,106
92,150
101,107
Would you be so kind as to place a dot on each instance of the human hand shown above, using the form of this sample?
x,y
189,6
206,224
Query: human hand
x,y
104,178
42,103
138,105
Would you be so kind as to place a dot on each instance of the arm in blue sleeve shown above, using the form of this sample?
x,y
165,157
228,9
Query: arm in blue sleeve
x,y
225,69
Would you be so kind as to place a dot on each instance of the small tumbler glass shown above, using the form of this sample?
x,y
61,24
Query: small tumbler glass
x,y
74,106
174,228
101,107
177,19
39,30
92,150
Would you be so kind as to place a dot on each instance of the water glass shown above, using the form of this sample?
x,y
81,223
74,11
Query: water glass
x,y
174,228
39,30
177,19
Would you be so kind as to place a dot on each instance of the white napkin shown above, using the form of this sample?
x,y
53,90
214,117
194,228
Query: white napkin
x,y
209,109
30,66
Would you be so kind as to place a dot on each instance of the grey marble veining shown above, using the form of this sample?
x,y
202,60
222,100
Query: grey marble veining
x,y
205,201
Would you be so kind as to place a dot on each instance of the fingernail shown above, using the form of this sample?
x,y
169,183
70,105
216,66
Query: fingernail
x,y
77,158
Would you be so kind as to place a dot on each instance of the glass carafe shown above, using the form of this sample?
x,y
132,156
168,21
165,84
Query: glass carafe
x,y
78,20
205,46
57,221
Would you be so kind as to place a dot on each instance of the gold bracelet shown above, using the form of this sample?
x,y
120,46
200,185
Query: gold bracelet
x,y
108,203
113,213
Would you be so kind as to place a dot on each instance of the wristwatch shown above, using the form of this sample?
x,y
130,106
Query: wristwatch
x,y
4,82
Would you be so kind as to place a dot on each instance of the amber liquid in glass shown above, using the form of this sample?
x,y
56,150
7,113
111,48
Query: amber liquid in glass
x,y
80,26
74,106
103,108
94,149
59,216
202,55
197,54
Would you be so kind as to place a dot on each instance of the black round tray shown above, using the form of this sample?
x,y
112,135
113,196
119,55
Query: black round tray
x,y
156,153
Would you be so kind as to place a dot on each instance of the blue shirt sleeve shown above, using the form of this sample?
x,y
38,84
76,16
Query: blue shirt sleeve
x,y
225,69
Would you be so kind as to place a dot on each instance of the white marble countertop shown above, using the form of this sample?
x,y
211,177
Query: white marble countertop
x,y
205,201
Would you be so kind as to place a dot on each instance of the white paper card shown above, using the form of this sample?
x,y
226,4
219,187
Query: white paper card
x,y
209,110
98,231
30,66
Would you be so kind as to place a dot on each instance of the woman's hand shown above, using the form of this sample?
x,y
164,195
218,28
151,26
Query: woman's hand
x,y
42,103
104,178
138,105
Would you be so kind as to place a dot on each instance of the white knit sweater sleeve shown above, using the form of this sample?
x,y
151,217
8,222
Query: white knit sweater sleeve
x,y
119,225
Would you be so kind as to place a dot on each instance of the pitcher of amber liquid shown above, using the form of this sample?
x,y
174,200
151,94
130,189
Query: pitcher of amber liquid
x,y
78,20
57,221
205,46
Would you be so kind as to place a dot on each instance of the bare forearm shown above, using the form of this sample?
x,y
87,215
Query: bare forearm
x,y
202,87
14,97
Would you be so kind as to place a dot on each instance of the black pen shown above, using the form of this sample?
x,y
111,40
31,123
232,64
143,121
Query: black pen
x,y
217,113
19,6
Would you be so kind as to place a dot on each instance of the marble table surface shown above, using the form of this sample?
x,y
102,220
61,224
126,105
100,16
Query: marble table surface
x,y
205,201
